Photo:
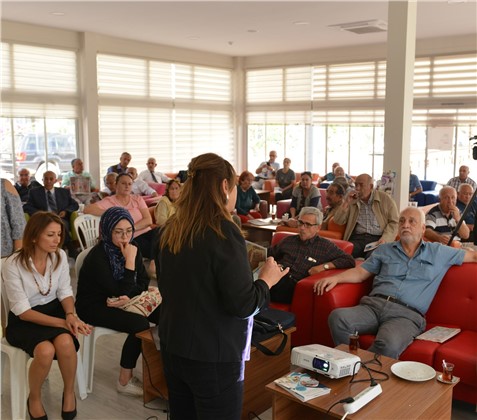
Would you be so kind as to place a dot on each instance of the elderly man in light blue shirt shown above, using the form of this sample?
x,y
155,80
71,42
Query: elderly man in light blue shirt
x,y
407,274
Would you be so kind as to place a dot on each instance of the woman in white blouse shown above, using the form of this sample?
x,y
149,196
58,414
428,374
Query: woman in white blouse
x,y
42,319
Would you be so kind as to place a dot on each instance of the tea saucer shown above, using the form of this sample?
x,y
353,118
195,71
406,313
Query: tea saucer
x,y
455,379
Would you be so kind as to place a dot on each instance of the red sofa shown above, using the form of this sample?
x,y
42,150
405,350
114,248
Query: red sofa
x,y
303,297
455,305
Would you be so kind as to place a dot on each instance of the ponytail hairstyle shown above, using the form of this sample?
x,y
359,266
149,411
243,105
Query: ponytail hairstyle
x,y
202,204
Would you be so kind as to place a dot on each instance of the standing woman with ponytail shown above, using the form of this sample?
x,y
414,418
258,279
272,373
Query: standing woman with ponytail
x,y
209,296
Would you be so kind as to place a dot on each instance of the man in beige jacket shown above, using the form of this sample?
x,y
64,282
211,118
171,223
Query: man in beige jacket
x,y
371,217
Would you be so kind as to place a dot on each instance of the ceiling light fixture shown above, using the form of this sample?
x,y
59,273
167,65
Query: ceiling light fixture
x,y
301,23
362,27
57,13
252,31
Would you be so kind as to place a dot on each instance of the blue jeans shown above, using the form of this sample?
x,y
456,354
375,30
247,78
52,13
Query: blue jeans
x,y
203,390
394,325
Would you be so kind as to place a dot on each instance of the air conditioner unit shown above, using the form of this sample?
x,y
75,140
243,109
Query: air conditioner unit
x,y
362,27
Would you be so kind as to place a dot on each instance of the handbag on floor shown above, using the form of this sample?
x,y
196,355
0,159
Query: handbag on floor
x,y
269,323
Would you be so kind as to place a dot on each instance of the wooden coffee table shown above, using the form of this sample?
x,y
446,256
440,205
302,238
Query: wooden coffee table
x,y
259,371
400,399
260,234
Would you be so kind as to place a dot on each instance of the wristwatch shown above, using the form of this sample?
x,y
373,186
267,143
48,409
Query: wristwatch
x,y
326,266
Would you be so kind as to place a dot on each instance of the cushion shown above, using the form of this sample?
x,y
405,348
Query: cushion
x,y
460,350
428,185
159,188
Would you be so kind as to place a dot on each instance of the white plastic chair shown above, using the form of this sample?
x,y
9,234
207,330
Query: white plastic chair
x,y
19,365
87,230
89,341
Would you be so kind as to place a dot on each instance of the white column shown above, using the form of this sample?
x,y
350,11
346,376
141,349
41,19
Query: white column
x,y
89,104
399,94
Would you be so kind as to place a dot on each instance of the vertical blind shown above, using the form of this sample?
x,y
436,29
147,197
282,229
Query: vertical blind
x,y
171,111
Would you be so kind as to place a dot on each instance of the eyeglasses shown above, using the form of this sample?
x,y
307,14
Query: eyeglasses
x,y
120,232
306,224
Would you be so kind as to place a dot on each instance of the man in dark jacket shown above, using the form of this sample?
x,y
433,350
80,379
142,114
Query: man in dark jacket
x,y
50,198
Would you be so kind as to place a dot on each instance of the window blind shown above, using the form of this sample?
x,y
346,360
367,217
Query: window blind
x,y
38,81
170,111
354,93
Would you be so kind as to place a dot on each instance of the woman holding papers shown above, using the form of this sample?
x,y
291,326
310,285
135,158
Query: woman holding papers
x,y
209,296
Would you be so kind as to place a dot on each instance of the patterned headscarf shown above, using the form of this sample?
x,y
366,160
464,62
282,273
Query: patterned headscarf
x,y
110,218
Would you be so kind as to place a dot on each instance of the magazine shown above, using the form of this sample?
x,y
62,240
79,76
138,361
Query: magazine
x,y
302,386
80,185
260,222
439,334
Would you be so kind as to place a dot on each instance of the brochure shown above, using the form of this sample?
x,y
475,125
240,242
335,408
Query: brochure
x,y
439,334
259,222
302,386
257,255
371,246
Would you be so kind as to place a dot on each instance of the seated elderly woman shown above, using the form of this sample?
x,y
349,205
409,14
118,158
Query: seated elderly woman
x,y
166,208
305,194
135,205
42,319
248,201
114,269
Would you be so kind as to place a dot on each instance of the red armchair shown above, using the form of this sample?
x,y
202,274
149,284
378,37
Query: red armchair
x,y
455,305
303,297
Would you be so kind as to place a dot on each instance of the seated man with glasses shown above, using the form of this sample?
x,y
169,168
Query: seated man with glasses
x,y
306,253
407,274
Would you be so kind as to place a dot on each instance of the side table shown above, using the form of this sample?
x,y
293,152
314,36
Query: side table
x,y
400,399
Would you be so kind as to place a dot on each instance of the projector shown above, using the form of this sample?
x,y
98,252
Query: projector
x,y
325,360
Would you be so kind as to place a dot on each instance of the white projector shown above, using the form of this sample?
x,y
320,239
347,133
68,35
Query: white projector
x,y
325,360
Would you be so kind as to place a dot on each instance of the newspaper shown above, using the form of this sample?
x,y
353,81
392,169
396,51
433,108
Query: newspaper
x,y
439,334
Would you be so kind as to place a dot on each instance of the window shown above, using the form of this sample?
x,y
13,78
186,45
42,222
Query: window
x,y
170,111
343,114
39,100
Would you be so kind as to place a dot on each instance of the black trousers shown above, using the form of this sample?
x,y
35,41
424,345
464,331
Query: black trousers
x,y
203,390
360,241
127,322
283,291
147,243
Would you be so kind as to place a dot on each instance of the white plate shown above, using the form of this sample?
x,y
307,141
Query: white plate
x,y
413,371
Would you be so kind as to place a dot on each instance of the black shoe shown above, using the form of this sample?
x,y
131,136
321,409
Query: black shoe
x,y
45,417
67,415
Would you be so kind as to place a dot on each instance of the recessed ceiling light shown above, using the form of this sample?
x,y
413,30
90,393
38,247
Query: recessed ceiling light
x,y
252,31
301,23
57,13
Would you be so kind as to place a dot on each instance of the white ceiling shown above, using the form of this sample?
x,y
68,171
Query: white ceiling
x,y
226,27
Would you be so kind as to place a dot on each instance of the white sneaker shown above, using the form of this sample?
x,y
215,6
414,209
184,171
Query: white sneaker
x,y
133,387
